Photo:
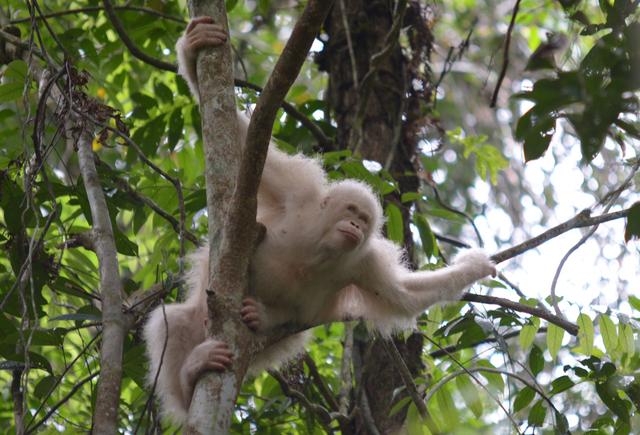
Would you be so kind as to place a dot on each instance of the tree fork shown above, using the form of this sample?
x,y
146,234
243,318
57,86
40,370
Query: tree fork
x,y
233,231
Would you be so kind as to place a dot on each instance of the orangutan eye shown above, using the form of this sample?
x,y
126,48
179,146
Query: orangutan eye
x,y
352,208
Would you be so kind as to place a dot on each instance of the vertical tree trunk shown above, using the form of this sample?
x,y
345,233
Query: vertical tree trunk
x,y
114,323
376,114
234,231
215,394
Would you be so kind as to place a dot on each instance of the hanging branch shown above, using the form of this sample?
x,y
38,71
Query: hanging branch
x,y
505,56
122,33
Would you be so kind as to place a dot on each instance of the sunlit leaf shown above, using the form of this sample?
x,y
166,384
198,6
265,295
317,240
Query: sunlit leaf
x,y
470,394
395,227
608,333
536,360
523,398
585,333
537,414
555,334
561,384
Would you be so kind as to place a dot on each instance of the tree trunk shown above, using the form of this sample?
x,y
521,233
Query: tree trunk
x,y
378,115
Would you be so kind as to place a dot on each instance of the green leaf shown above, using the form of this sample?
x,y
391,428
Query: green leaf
x,y
536,360
494,379
555,334
414,422
523,398
470,394
427,237
561,384
585,333
562,424
45,385
11,91
537,414
123,245
626,342
163,92
634,302
536,132
608,333
395,230
489,160
609,396
447,407
176,124
632,227
16,71
77,317
399,406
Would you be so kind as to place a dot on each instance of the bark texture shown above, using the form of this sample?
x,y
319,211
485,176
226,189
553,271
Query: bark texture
x,y
114,323
234,231
214,397
379,114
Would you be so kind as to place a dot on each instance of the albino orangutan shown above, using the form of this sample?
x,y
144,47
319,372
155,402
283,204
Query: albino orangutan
x,y
323,259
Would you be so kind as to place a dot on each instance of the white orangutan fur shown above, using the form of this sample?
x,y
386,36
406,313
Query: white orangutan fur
x,y
323,259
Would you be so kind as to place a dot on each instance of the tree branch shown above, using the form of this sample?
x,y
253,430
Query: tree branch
x,y
133,48
92,9
175,223
229,261
113,319
325,391
214,396
571,328
322,139
324,416
505,57
447,351
581,220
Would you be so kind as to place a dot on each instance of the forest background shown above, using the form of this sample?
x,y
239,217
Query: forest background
x,y
506,124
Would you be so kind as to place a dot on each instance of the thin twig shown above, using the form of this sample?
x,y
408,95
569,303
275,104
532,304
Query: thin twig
x,y
133,48
324,389
59,378
447,65
608,199
467,217
468,371
323,140
53,34
64,400
505,57
407,379
352,55
324,416
175,223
